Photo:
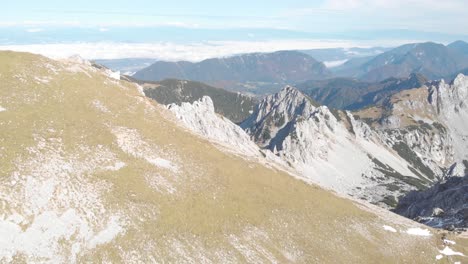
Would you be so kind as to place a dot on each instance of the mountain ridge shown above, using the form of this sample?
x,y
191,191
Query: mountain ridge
x,y
242,72
353,94
235,106
319,142
430,59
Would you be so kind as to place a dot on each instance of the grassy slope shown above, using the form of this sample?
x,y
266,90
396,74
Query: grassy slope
x,y
223,208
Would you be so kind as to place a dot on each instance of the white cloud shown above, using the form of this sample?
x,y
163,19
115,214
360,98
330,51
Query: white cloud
x,y
39,23
402,5
106,25
34,30
169,51
336,63
191,51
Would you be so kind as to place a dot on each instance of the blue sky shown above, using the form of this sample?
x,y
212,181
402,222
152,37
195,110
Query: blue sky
x,y
446,16
343,22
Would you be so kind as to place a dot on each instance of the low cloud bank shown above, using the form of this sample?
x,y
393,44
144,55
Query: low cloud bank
x,y
172,51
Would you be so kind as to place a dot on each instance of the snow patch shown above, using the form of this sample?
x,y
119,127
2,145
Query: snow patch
x,y
446,241
163,163
100,106
132,143
389,228
416,231
108,234
117,166
54,208
450,252
2,109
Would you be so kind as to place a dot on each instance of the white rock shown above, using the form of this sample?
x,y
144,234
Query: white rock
x,y
200,117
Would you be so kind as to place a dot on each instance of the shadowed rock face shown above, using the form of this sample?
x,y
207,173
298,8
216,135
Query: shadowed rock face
x,y
444,205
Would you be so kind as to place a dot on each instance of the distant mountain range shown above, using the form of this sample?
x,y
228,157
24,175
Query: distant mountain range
x,y
265,73
329,56
433,60
351,94
337,54
243,72
127,66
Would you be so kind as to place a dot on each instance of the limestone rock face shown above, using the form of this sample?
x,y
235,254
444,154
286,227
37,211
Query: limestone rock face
x,y
333,149
200,117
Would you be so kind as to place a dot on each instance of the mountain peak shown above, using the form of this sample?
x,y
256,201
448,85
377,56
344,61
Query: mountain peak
x,y
78,60
204,104
458,43
460,80
431,59
460,47
276,111
293,94
289,91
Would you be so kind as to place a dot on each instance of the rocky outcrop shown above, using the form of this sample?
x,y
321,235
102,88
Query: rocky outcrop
x,y
428,124
332,149
450,104
200,117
